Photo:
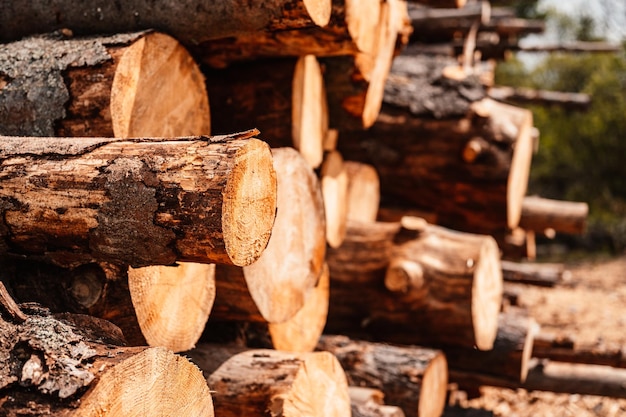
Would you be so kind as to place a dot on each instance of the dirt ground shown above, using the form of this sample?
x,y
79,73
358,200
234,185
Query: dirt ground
x,y
591,306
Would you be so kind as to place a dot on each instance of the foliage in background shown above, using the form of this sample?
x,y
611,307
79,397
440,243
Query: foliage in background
x,y
582,155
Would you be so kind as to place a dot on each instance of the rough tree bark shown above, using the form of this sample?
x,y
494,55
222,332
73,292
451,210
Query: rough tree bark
x,y
143,84
191,21
273,383
406,285
195,199
368,402
412,378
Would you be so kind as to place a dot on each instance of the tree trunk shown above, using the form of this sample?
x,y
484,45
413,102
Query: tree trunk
x,y
334,182
355,83
363,192
138,202
273,383
353,28
191,21
284,98
143,84
274,288
63,370
540,214
397,284
412,378
368,402
542,274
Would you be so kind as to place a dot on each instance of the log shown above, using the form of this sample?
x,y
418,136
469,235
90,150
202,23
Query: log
x,y
444,24
266,382
274,288
355,83
144,84
64,370
446,4
191,21
539,214
541,274
472,172
519,95
256,95
399,284
196,199
567,349
334,182
368,402
412,378
363,192
353,28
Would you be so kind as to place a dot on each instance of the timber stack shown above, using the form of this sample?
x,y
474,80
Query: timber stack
x,y
231,182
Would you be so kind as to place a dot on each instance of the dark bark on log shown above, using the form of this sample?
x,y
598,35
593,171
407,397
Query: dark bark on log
x,y
415,287
567,350
138,202
191,21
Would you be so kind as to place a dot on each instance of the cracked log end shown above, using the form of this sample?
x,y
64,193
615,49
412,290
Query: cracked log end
x,y
249,206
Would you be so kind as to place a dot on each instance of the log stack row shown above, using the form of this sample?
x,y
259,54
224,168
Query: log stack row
x,y
210,182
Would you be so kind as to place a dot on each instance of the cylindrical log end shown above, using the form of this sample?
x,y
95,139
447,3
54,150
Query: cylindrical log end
x,y
172,303
249,207
363,191
362,19
319,11
155,382
434,388
486,293
335,192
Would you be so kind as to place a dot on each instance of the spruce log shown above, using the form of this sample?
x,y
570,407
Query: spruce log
x,y
137,202
355,83
539,214
472,172
394,283
267,382
334,182
363,192
368,402
542,274
412,378
284,98
191,21
567,349
143,84
52,367
274,288
353,28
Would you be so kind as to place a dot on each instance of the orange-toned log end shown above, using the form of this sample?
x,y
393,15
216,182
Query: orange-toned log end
x,y
172,303
319,11
249,206
486,293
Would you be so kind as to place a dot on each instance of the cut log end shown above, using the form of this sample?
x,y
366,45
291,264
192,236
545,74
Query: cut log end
x,y
154,382
434,388
486,293
335,191
172,303
319,11
249,207
158,91
363,192
362,18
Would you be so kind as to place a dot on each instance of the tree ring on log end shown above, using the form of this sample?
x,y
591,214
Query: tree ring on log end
x,y
172,303
319,11
432,398
158,91
249,206
486,294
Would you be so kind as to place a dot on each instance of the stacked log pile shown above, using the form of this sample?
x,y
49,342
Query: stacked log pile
x,y
209,182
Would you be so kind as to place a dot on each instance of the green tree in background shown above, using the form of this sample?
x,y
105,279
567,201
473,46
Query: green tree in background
x,y
582,155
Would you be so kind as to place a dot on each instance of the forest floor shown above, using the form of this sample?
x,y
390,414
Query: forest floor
x,y
590,306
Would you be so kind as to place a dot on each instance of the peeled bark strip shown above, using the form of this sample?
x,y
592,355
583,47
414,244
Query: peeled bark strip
x,y
368,402
334,182
412,378
363,192
273,383
191,21
539,214
50,367
137,202
284,98
142,84
172,303
353,28
274,288
417,284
